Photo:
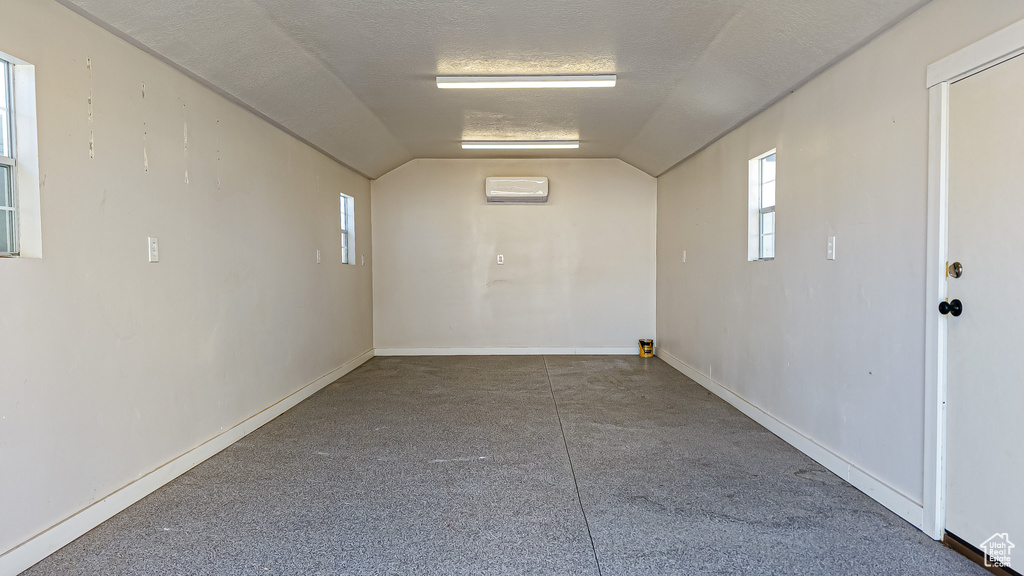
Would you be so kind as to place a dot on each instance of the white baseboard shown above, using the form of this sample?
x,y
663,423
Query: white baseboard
x,y
507,351
31,551
884,494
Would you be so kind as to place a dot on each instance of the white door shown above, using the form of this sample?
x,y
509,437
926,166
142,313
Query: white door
x,y
985,352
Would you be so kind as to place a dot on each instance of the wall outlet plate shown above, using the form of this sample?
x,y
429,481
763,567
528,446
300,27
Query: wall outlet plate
x,y
831,251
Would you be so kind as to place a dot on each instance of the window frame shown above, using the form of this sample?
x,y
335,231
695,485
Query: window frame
x,y
9,144
757,210
24,158
347,216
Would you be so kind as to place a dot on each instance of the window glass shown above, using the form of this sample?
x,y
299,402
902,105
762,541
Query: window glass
x,y
768,194
5,116
7,229
4,144
768,246
761,207
6,192
347,224
8,217
768,223
768,169
3,86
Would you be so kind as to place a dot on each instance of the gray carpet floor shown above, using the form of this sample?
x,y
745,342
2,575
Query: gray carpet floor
x,y
508,465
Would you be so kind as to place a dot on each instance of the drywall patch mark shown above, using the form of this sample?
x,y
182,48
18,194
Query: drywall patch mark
x,y
92,135
865,300
88,66
217,132
145,137
184,119
186,152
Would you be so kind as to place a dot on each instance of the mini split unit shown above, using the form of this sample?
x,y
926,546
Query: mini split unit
x,y
517,189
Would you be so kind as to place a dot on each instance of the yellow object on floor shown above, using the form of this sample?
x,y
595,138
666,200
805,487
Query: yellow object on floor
x,y
646,348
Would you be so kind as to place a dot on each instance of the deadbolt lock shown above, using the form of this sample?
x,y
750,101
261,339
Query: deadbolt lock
x,y
955,269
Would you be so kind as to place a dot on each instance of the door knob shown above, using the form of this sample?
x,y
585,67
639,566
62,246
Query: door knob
x,y
956,270
954,307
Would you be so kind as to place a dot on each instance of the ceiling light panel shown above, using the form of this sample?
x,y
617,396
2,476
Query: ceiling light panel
x,y
521,145
518,81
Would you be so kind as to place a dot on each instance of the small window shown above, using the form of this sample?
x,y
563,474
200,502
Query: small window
x,y
20,226
8,164
348,226
761,214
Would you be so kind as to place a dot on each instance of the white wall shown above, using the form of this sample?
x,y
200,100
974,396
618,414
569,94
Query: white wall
x,y
579,271
110,366
832,349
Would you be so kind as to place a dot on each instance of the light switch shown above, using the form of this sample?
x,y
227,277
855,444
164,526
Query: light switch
x,y
501,259
154,249
684,256
318,256
831,252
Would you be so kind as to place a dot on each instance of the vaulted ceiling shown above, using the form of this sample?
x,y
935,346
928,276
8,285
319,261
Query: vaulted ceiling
x,y
355,78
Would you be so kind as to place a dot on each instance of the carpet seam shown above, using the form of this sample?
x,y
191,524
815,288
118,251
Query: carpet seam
x,y
572,467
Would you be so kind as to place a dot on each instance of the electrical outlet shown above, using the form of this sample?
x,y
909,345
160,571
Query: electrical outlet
x,y
154,248
501,259
318,256
831,252
684,256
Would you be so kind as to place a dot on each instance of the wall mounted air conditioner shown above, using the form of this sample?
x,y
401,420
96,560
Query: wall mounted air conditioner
x,y
517,189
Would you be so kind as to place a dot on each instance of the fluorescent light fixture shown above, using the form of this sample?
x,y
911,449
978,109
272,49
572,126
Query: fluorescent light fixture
x,y
516,81
521,145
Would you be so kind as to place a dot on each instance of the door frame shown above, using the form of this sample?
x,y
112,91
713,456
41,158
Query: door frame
x,y
983,54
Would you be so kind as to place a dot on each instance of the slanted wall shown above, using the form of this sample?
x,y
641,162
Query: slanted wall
x,y
831,353
110,366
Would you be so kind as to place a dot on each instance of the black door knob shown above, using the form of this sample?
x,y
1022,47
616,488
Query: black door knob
x,y
955,307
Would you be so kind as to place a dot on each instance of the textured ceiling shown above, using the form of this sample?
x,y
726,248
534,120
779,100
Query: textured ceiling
x,y
356,77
